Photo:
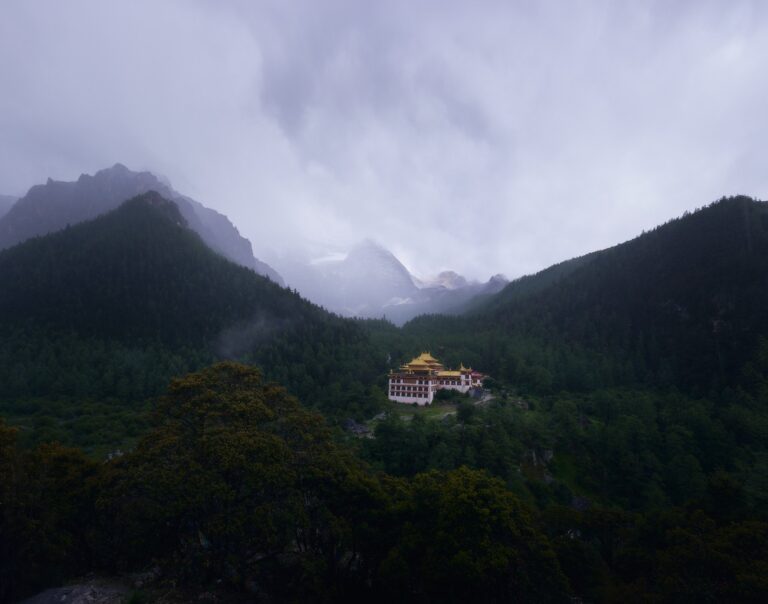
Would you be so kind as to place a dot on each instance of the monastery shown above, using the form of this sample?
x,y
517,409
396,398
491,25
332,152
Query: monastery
x,y
418,381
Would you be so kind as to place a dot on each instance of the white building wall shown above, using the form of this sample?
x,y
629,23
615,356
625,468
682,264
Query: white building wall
x,y
432,384
411,399
402,395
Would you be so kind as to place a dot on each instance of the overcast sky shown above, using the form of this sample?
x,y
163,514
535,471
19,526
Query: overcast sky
x,y
482,137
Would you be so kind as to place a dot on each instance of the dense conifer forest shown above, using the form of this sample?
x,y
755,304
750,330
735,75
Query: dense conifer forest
x,y
109,310
623,456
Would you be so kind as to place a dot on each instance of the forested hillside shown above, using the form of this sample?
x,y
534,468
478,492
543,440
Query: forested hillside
x,y
682,305
237,486
648,363
621,458
111,309
238,491
631,403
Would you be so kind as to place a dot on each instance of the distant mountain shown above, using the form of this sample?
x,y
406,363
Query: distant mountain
x,y
369,281
452,299
6,202
359,283
51,207
446,279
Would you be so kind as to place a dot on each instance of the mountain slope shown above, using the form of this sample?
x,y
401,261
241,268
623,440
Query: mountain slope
x,y
136,295
137,272
690,296
683,304
51,207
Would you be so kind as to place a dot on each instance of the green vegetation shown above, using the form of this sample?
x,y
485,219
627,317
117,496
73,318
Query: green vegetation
x,y
623,457
238,485
645,370
101,316
237,482
682,307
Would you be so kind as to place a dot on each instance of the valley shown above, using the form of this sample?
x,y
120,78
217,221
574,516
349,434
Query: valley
x,y
383,302
625,409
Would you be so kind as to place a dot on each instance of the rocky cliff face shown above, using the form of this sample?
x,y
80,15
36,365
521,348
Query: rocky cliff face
x,y
54,205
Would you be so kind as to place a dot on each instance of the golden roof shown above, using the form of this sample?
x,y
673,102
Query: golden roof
x,y
424,360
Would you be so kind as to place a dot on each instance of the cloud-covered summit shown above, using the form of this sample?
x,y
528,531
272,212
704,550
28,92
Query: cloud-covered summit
x,y
481,138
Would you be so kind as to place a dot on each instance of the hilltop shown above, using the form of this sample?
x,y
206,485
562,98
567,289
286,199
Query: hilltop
x,y
55,205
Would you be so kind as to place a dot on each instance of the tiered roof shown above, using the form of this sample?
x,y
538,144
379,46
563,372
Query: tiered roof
x,y
425,362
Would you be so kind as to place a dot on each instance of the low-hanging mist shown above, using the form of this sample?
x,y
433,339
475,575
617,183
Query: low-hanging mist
x,y
541,130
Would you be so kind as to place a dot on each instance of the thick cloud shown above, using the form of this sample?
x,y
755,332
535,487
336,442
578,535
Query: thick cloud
x,y
478,136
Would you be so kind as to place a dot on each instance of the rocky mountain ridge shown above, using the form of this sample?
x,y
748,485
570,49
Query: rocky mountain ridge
x,y
53,206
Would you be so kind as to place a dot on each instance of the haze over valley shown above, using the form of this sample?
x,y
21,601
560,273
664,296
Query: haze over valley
x,y
366,281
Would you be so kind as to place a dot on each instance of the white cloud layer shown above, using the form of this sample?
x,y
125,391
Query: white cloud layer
x,y
482,137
